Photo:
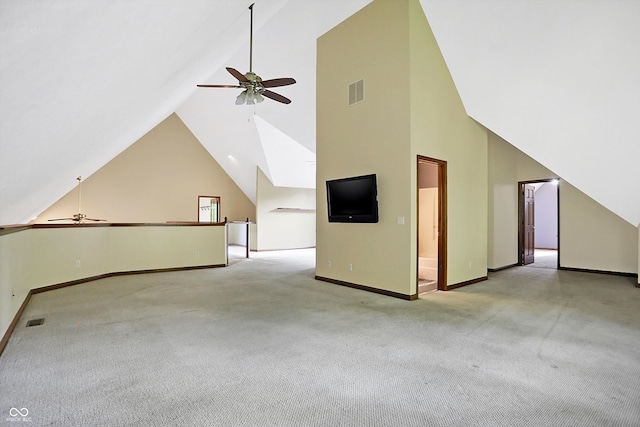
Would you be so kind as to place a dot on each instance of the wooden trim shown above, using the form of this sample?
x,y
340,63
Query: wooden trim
x,y
493,270
12,325
368,288
70,283
558,222
16,318
520,223
189,223
442,220
589,270
247,248
9,229
133,224
466,283
442,241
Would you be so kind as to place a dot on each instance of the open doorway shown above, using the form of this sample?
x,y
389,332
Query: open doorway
x,y
238,240
538,223
432,225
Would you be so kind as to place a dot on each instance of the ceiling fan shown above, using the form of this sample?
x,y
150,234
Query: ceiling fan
x,y
255,89
78,218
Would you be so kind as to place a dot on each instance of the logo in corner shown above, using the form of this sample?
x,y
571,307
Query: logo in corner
x,y
19,415
15,412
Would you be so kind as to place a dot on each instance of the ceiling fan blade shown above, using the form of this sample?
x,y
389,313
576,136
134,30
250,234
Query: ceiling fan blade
x,y
237,74
276,97
95,219
224,86
62,219
285,81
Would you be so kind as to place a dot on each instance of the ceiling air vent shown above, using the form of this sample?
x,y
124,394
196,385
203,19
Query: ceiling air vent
x,y
356,92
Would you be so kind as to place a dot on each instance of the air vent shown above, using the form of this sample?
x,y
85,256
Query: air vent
x,y
35,322
356,92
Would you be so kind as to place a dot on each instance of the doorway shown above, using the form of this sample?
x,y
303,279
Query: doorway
x,y
539,223
432,225
238,240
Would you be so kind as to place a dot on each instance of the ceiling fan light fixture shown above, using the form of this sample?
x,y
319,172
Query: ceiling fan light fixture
x,y
259,98
241,98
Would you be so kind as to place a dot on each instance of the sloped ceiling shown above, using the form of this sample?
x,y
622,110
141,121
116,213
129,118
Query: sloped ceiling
x,y
559,79
82,80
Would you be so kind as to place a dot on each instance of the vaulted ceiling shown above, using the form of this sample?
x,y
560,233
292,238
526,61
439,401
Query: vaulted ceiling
x,y
80,81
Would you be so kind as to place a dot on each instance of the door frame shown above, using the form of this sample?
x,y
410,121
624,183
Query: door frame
x,y
442,220
521,185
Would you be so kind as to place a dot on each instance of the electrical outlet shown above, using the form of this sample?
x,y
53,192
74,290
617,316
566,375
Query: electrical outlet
x,y
78,263
197,254
350,267
329,263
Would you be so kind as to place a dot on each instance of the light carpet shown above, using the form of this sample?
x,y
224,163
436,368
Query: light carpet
x,y
261,343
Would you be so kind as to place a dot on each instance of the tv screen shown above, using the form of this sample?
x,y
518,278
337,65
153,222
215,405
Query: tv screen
x,y
353,199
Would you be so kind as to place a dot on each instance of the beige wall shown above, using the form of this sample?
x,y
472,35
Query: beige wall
x,y
15,269
41,257
157,179
591,237
441,129
368,137
284,229
428,223
411,108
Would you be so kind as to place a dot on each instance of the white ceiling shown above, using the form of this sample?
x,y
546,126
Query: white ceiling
x,y
82,80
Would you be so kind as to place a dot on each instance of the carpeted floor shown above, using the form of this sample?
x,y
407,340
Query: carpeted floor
x,y
545,258
261,343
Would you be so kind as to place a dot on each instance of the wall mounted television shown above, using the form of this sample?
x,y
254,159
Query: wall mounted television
x,y
353,199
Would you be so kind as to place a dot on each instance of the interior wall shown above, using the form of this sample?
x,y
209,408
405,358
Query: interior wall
x,y
16,267
502,239
546,216
441,129
369,137
428,223
590,236
157,179
41,257
285,217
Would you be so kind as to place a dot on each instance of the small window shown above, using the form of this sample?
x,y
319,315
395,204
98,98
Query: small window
x,y
208,209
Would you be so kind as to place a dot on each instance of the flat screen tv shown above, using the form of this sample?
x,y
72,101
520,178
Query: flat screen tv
x,y
353,199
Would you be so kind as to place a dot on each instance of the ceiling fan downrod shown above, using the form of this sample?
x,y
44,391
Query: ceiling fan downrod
x,y
251,40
